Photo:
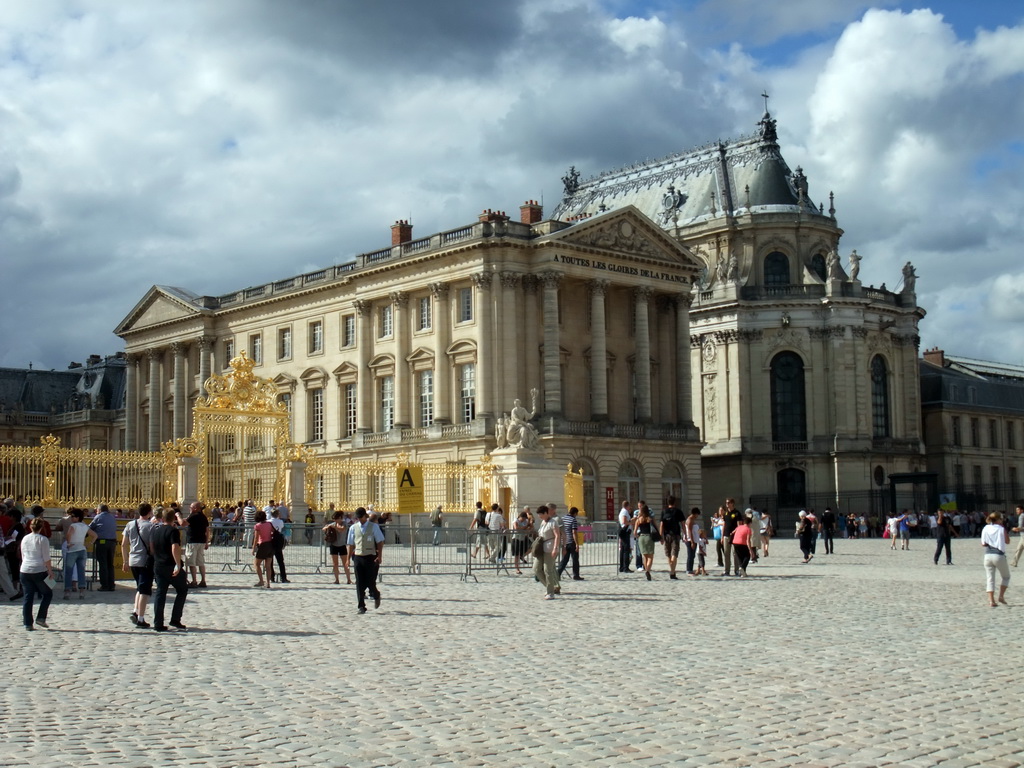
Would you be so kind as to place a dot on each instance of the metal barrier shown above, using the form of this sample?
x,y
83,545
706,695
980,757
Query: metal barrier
x,y
599,547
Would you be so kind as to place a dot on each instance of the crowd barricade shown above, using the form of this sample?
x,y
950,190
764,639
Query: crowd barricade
x,y
496,551
440,550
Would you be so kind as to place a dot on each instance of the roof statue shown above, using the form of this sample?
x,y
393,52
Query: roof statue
x,y
571,181
855,264
909,278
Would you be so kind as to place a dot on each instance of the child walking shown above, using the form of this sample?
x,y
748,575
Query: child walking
x,y
702,551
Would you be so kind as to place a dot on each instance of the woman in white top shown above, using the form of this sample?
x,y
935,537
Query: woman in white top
x,y
35,570
994,538
75,538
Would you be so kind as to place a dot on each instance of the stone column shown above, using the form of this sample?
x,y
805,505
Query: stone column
x,y
684,391
131,404
510,325
598,351
442,366
156,399
642,364
552,345
205,363
531,321
364,409
484,346
403,397
180,406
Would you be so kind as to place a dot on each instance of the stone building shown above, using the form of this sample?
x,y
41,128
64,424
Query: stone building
x,y
82,405
805,381
421,347
973,417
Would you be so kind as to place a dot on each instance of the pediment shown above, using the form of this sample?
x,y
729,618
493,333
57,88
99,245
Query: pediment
x,y
160,305
421,355
628,232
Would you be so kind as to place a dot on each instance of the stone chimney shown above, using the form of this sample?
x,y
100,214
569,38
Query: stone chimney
x,y
94,360
531,212
401,232
935,356
489,215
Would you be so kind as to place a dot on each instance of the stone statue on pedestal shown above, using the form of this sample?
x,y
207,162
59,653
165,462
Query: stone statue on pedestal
x,y
909,278
519,432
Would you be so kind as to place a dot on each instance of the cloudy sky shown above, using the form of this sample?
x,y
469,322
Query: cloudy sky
x,y
216,145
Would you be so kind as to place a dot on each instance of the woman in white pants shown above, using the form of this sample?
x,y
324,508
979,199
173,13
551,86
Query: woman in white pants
x,y
994,538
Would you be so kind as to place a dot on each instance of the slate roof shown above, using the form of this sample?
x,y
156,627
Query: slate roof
x,y
745,173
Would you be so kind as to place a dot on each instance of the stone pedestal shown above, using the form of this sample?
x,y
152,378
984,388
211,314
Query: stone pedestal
x,y
188,481
295,490
532,479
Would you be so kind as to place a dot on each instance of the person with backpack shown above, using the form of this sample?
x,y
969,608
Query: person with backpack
x,y
138,559
437,523
479,524
336,538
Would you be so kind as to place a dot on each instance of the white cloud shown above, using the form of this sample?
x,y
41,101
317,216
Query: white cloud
x,y
217,145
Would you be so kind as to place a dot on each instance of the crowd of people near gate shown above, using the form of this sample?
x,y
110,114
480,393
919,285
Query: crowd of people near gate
x,y
163,547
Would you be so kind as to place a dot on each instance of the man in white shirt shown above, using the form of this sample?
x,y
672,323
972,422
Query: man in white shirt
x,y
497,526
625,533
366,549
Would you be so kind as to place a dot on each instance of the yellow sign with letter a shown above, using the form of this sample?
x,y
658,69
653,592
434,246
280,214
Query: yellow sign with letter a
x,y
410,490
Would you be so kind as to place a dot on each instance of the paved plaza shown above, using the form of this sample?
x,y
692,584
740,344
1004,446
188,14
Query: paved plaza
x,y
866,658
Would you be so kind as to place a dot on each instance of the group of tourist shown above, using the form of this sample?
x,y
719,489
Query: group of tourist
x,y
154,553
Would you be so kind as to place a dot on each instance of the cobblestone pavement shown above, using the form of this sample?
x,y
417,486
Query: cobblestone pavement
x,y
865,658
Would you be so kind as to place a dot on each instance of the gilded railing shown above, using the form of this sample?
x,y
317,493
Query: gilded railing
x,y
54,476
351,483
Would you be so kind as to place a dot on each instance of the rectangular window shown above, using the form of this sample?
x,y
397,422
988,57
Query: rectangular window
x,y
386,321
979,488
316,415
284,343
957,438
350,410
995,490
993,433
1014,489
423,316
256,348
1011,436
387,403
229,351
975,434
465,304
426,398
958,477
316,337
348,331
468,391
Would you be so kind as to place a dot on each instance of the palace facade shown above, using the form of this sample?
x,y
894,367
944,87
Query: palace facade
x,y
973,415
420,348
698,296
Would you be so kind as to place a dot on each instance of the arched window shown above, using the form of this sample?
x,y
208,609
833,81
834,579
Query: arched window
x,y
630,485
776,269
789,410
672,482
880,397
818,266
791,488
